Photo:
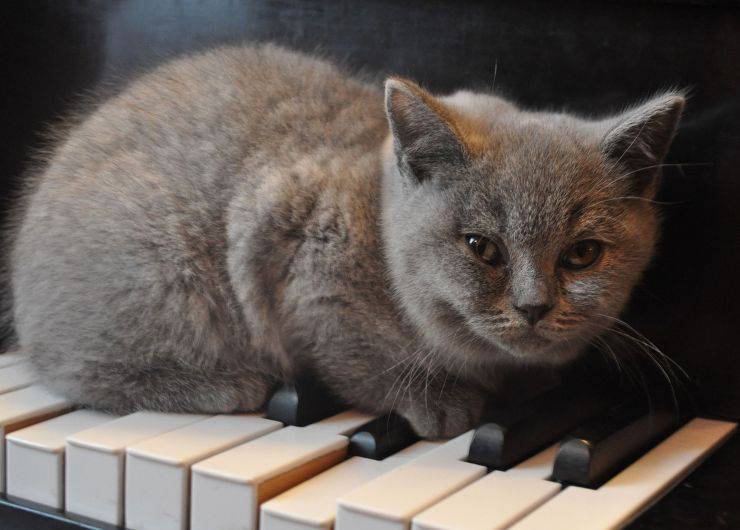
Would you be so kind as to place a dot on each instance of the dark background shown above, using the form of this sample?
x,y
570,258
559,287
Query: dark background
x,y
591,57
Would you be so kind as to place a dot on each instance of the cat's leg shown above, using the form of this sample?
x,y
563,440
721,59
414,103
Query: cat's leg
x,y
359,369
437,410
161,384
295,277
437,405
141,344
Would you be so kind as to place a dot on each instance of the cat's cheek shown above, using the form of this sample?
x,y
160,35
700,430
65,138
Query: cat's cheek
x,y
584,300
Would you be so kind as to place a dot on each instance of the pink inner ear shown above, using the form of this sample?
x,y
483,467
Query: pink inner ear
x,y
424,138
645,133
640,140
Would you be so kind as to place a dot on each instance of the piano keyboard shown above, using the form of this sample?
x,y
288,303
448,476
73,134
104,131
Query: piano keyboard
x,y
245,471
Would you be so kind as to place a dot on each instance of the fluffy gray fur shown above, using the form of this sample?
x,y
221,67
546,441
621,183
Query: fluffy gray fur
x,y
240,216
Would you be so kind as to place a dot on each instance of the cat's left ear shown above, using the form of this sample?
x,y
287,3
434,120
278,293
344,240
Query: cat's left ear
x,y
638,140
424,135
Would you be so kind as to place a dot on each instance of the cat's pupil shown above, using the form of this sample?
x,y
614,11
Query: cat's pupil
x,y
486,249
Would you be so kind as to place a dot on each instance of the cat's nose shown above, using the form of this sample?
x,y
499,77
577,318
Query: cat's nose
x,y
533,313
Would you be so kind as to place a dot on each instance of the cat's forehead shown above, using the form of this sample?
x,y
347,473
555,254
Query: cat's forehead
x,y
535,182
536,161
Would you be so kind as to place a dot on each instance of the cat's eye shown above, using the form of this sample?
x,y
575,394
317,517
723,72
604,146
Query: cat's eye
x,y
484,248
582,254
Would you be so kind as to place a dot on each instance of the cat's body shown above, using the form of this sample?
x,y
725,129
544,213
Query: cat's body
x,y
239,217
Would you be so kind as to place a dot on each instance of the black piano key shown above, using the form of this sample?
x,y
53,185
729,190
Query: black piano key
x,y
382,437
517,433
304,402
600,448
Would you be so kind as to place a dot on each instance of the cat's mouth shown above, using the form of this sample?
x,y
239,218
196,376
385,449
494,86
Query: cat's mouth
x,y
520,342
526,343
482,336
532,345
528,338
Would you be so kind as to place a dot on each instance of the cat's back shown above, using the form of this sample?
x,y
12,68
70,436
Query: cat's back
x,y
223,104
125,228
178,139
173,144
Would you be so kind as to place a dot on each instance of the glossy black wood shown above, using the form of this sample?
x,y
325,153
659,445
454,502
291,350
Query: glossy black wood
x,y
21,515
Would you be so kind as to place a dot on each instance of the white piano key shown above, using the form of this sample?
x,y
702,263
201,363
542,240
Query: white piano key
x,y
412,452
393,499
632,491
10,358
496,500
15,376
35,456
342,423
538,466
158,469
95,459
312,504
228,488
24,407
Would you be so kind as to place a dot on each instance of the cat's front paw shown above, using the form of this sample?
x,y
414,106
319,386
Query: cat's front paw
x,y
445,418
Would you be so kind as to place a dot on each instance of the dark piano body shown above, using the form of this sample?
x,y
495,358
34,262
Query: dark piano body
x,y
584,56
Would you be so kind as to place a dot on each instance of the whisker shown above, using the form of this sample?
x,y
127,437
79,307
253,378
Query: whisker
x,y
661,361
624,176
688,164
650,343
644,199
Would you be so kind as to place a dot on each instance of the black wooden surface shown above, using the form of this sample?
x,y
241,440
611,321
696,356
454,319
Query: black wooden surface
x,y
579,55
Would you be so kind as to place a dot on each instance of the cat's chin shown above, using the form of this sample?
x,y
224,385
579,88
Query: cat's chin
x,y
532,348
529,347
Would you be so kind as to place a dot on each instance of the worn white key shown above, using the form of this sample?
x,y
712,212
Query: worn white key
x,y
228,488
15,376
158,469
24,407
496,500
632,491
412,452
393,499
312,504
35,456
95,459
10,358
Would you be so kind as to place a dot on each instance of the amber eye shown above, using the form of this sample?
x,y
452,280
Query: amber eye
x,y
484,248
582,254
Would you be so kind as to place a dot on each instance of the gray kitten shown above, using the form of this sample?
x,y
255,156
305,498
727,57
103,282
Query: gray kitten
x,y
239,217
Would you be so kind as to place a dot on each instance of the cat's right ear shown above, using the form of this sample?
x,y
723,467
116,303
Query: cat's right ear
x,y
424,137
638,140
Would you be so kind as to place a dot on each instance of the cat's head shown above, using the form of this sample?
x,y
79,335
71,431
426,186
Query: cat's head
x,y
513,234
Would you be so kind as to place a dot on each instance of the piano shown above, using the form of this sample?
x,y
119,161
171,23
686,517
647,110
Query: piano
x,y
309,463
569,457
